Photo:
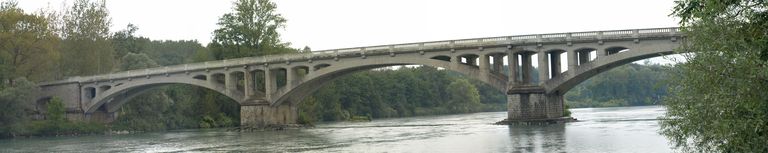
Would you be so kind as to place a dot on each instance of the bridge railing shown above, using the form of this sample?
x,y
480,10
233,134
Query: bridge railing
x,y
516,39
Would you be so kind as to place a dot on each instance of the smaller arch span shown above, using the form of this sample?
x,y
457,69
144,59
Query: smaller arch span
x,y
136,87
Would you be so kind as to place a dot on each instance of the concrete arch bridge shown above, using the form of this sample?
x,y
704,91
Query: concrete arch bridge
x,y
255,82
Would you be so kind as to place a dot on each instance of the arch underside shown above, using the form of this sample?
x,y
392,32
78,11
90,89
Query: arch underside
x,y
118,95
567,80
317,79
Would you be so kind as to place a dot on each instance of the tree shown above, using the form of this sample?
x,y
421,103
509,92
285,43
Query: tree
x,y
15,102
55,110
250,31
170,52
133,61
86,48
27,44
718,100
125,41
464,96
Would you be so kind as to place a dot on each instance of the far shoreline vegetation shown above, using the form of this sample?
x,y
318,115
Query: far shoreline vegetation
x,y
51,48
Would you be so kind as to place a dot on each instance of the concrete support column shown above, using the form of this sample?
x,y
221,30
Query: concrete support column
x,y
264,115
270,83
543,67
526,69
456,60
572,63
84,99
555,64
230,82
485,63
249,83
498,63
513,66
600,53
485,67
211,79
290,77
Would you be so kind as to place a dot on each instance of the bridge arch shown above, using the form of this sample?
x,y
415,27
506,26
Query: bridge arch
x,y
319,78
563,83
118,95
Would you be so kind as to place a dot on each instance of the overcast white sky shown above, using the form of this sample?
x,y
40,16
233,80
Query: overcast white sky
x,y
330,24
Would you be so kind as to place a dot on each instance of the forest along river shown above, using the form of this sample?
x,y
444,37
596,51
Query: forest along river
x,y
621,129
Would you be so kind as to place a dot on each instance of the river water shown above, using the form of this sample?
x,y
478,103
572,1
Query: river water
x,y
620,129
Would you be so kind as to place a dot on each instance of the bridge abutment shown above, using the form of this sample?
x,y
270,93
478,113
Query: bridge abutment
x,y
264,115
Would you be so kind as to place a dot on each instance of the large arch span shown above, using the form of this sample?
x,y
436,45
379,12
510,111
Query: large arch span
x,y
317,79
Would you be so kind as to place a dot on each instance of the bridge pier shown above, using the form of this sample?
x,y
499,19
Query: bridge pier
x,y
531,104
528,101
264,115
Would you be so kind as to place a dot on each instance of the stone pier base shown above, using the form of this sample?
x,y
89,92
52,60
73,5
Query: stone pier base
x,y
532,104
266,115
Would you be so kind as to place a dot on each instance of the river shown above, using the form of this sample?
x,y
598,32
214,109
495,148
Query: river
x,y
619,129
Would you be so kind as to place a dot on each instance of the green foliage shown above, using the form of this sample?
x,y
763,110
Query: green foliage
x,y
88,23
207,122
132,61
56,110
27,44
15,101
403,92
60,128
170,52
125,42
718,101
567,111
464,96
249,31
627,85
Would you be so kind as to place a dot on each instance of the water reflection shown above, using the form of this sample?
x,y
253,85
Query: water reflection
x,y
537,138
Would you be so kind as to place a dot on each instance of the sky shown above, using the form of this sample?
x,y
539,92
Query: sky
x,y
330,24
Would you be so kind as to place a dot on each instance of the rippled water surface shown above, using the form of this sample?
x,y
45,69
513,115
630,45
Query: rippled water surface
x,y
622,129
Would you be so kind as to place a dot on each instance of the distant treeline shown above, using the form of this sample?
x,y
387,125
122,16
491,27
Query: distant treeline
x,y
402,92
627,85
